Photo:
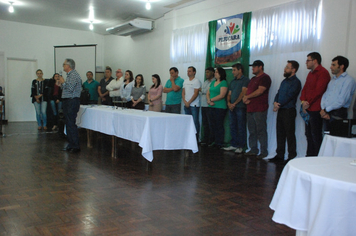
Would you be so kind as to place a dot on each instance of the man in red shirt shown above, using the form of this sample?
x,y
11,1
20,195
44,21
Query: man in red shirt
x,y
312,92
256,100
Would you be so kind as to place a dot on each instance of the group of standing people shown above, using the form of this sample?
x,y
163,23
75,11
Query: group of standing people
x,y
64,96
43,92
124,89
323,100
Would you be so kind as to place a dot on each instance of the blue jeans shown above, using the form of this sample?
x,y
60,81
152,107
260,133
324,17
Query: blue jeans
x,y
257,126
217,116
194,111
54,109
70,110
238,127
41,113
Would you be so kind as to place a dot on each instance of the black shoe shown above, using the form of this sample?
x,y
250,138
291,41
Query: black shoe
x,y
74,150
276,159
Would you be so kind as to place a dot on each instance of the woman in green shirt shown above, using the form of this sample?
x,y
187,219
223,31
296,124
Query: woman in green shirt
x,y
216,97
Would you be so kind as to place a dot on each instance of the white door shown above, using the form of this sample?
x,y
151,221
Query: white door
x,y
20,73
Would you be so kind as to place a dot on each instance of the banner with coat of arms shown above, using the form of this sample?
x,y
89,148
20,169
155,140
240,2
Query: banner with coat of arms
x,y
229,40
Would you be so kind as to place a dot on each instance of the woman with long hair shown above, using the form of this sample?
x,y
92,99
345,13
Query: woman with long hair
x,y
138,94
155,94
39,94
55,98
126,87
216,97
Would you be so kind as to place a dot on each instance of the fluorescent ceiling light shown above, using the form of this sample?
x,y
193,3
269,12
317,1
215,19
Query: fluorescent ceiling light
x,y
11,7
91,13
148,5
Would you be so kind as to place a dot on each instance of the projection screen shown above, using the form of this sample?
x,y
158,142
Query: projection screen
x,y
83,55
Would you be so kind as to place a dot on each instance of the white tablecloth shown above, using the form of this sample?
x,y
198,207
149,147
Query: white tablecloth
x,y
333,146
152,130
317,195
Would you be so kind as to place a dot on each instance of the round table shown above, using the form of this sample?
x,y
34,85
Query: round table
x,y
317,195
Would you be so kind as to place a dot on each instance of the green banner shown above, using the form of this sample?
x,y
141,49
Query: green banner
x,y
233,41
244,59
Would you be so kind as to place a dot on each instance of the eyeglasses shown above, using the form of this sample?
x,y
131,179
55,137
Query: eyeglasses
x,y
118,72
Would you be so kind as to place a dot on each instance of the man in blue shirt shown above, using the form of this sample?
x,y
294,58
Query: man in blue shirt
x,y
173,88
338,96
284,104
71,90
237,109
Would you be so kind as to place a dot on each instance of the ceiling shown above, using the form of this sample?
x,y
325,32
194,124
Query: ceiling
x,y
73,14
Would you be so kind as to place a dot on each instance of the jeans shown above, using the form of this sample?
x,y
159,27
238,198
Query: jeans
x,y
54,109
70,110
257,126
207,135
217,116
286,131
194,111
313,131
173,108
41,113
238,127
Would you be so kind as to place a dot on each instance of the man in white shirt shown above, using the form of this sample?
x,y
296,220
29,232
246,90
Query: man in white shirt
x,y
191,99
114,86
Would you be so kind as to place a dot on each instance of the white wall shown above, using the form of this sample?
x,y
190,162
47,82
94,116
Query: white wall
x,y
145,54
26,41
149,53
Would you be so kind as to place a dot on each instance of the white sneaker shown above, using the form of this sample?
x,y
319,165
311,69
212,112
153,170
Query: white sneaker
x,y
239,150
231,148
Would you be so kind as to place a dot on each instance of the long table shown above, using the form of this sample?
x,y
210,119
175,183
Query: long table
x,y
151,130
317,196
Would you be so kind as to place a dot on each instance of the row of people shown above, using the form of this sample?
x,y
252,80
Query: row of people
x,y
247,102
323,100
133,91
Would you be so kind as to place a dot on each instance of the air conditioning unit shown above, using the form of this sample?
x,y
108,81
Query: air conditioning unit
x,y
133,27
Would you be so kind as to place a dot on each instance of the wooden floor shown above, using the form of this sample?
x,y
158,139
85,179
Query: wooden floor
x,y
46,191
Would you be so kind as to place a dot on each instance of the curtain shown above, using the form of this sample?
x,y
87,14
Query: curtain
x,y
188,48
286,32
